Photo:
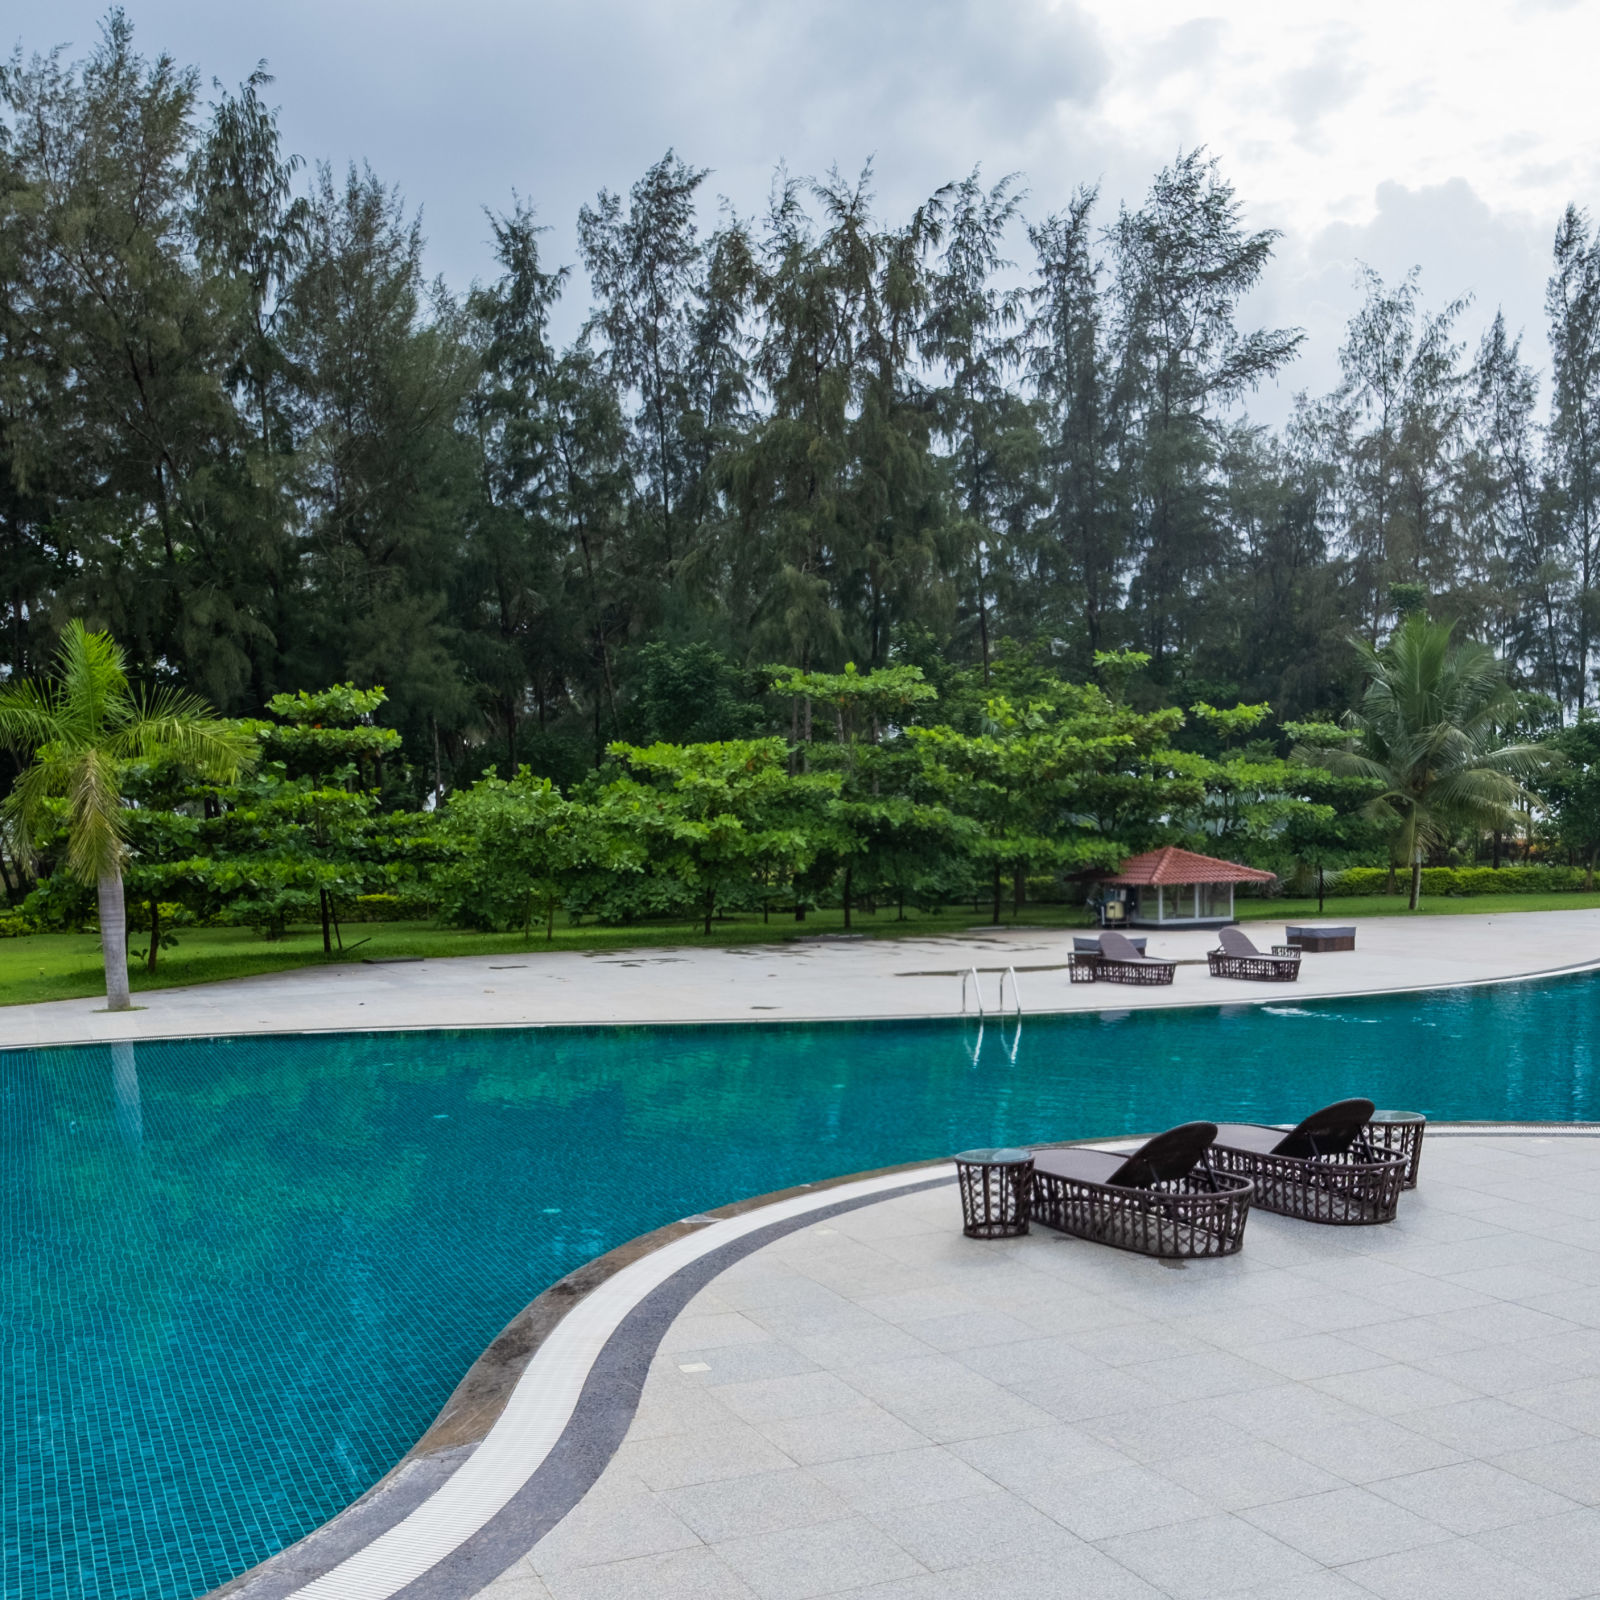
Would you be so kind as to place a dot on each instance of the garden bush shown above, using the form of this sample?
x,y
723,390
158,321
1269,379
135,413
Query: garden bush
x,y
1535,879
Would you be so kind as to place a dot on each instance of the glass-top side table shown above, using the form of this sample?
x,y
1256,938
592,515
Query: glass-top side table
x,y
1398,1133
996,1186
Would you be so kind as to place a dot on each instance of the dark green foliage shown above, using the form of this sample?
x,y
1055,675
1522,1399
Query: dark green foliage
x,y
240,428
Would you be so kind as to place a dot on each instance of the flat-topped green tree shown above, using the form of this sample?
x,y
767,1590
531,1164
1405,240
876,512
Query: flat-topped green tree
x,y
78,732
721,821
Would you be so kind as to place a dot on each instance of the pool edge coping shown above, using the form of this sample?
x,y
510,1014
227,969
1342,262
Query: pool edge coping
x,y
479,1400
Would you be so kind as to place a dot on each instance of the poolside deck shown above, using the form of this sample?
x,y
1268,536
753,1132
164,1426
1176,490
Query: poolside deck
x,y
805,980
836,1394
875,1406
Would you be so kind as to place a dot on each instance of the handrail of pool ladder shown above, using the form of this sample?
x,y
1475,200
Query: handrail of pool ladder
x,y
1016,994
977,990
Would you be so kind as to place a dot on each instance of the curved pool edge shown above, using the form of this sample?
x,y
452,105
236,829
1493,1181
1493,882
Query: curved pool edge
x,y
334,1561
480,1399
1256,995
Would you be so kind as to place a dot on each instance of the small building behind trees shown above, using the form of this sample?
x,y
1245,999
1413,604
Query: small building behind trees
x,y
1174,888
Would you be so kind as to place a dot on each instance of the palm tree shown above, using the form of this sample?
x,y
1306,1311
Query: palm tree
x,y
1428,729
78,732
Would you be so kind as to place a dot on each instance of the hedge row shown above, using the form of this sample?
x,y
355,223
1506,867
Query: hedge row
x,y
1462,880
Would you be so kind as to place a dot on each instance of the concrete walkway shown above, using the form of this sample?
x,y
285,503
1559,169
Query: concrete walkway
x,y
806,979
877,1408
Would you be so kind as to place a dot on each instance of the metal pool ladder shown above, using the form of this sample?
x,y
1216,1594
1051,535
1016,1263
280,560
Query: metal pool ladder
x,y
1016,996
971,975
977,990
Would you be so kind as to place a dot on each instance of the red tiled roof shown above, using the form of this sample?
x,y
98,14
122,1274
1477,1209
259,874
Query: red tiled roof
x,y
1171,865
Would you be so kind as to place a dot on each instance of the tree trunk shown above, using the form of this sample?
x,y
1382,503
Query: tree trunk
x,y
155,933
1391,886
1497,849
125,1082
1416,879
327,933
711,905
1588,876
849,873
114,941
996,917
1321,888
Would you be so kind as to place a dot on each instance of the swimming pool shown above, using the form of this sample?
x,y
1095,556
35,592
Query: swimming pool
x,y
239,1276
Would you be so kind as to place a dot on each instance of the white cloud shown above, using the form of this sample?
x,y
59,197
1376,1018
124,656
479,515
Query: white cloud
x,y
1411,130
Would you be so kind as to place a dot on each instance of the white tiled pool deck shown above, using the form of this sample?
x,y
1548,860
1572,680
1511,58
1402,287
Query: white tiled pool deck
x,y
876,1406
804,980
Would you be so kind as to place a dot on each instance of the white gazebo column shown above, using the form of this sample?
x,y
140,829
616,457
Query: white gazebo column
x,y
1161,904
1230,902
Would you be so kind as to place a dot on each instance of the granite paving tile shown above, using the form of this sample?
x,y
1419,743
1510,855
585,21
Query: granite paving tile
x,y
1472,1497
1569,1467
1459,1569
1342,1525
697,1574
825,1559
762,1502
929,1476
1218,1555
961,1533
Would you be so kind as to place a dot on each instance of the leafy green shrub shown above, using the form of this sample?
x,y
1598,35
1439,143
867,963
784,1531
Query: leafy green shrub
x,y
13,924
57,904
407,906
1537,879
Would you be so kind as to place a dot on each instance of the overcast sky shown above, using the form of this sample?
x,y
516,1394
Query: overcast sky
x,y
1396,132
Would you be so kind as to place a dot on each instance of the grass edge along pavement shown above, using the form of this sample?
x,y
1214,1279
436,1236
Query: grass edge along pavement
x,y
66,966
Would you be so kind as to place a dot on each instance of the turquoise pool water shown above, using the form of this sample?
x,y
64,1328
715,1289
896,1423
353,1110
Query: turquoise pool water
x,y
238,1277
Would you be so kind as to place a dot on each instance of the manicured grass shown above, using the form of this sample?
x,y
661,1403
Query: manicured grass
x,y
1348,908
66,966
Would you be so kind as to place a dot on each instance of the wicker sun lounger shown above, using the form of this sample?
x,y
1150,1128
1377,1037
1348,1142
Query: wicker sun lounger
x,y
1163,1200
1119,962
1239,958
1322,1171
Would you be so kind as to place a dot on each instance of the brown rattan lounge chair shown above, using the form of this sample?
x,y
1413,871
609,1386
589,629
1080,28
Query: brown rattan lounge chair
x,y
1120,962
1163,1200
1322,1171
1239,958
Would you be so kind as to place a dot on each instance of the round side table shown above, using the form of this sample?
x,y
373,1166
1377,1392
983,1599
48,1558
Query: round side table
x,y
995,1188
1398,1133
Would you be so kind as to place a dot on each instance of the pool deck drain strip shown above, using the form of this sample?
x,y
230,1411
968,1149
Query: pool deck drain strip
x,y
456,1513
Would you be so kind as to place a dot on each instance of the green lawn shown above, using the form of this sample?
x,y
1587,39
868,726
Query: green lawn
x,y
65,966
1347,908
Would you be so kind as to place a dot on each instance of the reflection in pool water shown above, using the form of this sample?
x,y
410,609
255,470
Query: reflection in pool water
x,y
238,1277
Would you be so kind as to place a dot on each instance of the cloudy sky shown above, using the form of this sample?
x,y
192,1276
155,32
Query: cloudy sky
x,y
1395,132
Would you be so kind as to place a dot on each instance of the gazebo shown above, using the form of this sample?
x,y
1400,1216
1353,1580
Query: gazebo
x,y
1173,888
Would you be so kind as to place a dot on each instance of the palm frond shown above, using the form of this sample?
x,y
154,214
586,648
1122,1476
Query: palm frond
x,y
93,680
176,726
96,821
28,715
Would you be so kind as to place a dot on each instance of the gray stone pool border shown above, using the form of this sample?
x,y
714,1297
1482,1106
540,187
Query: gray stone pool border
x,y
609,1396
590,1437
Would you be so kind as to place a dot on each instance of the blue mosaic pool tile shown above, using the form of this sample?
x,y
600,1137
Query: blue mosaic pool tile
x,y
239,1277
